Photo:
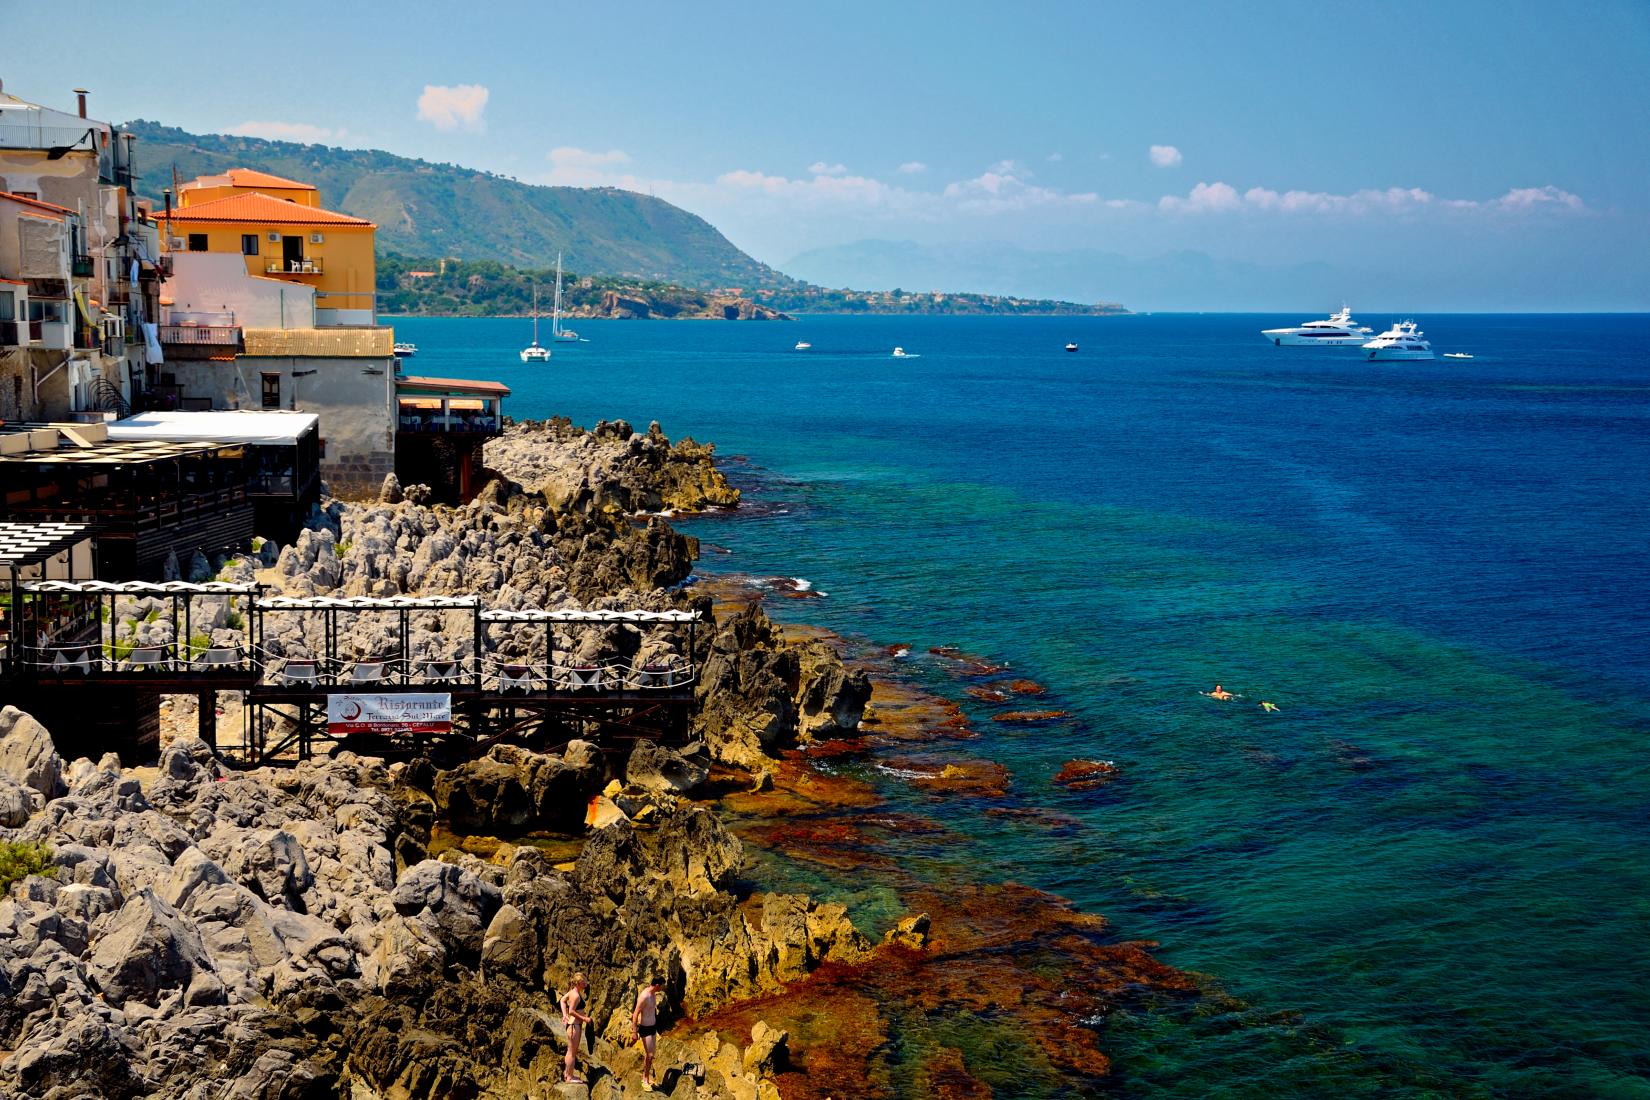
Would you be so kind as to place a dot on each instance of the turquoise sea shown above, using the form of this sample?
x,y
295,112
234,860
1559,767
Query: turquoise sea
x,y
1428,874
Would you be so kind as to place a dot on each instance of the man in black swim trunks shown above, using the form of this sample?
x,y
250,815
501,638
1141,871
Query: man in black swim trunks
x,y
644,1025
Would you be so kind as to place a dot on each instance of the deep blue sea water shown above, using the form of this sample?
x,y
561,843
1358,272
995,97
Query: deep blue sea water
x,y
1430,870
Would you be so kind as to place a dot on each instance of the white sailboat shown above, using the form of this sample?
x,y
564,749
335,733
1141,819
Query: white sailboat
x,y
556,331
535,353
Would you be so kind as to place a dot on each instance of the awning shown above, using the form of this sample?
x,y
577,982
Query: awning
x,y
266,427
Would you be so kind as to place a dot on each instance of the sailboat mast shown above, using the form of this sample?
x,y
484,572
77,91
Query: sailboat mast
x,y
535,314
555,311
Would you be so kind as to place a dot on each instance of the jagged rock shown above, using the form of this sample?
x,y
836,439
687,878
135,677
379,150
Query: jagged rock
x,y
16,803
452,902
90,1056
390,492
27,754
148,948
654,767
911,932
767,1051
511,789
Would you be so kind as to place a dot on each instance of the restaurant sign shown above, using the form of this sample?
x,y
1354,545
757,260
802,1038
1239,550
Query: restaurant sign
x,y
426,712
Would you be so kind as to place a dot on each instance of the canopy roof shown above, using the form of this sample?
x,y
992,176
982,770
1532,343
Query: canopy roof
x,y
409,383
113,453
240,426
147,588
28,543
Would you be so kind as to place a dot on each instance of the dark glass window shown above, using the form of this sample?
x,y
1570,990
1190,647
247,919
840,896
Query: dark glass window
x,y
272,390
197,242
249,244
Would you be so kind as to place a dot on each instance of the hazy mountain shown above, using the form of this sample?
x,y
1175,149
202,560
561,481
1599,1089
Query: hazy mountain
x,y
426,209
1176,281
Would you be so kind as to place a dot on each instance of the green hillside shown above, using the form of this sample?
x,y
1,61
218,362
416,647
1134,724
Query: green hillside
x,y
426,209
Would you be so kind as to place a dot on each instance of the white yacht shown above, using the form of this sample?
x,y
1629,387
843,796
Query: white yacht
x,y
1402,341
405,350
901,353
1339,331
556,331
535,352
803,345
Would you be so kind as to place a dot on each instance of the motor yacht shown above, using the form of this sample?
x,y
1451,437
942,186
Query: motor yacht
x,y
1338,331
1071,347
901,353
803,345
1402,341
405,350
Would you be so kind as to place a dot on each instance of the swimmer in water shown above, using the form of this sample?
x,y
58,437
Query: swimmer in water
x,y
1269,708
1218,693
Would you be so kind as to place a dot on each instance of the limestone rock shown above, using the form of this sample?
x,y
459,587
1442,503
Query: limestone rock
x,y
453,903
655,767
911,932
27,754
149,948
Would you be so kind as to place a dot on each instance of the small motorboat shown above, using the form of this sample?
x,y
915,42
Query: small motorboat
x,y
1456,355
803,345
1071,347
901,353
405,350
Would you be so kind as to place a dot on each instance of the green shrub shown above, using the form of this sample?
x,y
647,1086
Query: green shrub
x,y
235,620
22,858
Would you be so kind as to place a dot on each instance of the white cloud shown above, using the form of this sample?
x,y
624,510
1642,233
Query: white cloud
x,y
1055,158
1004,186
912,167
1165,156
820,168
1202,198
1219,197
574,167
307,133
453,108
1531,198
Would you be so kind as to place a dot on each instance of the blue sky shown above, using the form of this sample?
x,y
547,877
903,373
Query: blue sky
x,y
1489,155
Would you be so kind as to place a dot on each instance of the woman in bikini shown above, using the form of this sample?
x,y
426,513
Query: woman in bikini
x,y
574,1021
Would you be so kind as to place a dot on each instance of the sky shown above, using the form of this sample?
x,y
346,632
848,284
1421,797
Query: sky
x,y
1475,155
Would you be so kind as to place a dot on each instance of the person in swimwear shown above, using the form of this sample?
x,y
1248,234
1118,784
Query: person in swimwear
x,y
644,1025
1269,708
1218,693
575,1022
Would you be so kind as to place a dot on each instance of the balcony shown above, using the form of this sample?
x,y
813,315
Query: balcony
x,y
294,267
21,334
84,267
200,341
456,421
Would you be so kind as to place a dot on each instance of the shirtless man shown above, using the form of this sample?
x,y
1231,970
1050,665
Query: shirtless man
x,y
574,1021
1219,693
644,1025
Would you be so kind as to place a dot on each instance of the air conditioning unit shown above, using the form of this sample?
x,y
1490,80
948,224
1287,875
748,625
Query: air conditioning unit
x,y
175,243
316,238
274,238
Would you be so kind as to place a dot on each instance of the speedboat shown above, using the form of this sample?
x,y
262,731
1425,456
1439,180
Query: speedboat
x,y
1402,341
1456,355
803,345
535,352
1339,331
901,353
1071,347
404,350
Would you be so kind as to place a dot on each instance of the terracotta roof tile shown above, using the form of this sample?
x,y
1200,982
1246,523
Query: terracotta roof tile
x,y
251,177
262,209
49,207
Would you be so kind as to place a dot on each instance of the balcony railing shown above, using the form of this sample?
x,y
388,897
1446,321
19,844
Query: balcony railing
x,y
434,422
209,335
126,516
20,334
84,267
294,267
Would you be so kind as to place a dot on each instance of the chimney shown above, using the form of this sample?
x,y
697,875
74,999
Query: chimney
x,y
80,93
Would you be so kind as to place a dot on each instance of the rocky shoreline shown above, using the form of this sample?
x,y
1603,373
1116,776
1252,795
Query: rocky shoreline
x,y
345,926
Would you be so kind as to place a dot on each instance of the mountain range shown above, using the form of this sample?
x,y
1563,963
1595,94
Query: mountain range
x,y
427,209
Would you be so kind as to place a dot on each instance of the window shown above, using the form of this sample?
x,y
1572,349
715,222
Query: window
x,y
249,244
7,305
197,242
272,390
27,195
